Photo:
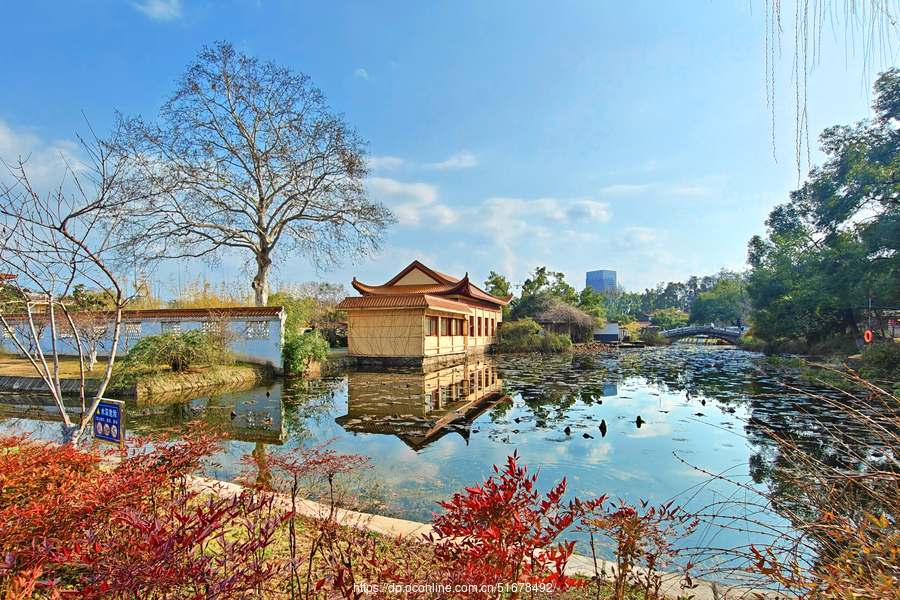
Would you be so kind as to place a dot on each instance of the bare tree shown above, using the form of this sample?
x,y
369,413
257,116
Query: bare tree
x,y
250,158
50,243
92,328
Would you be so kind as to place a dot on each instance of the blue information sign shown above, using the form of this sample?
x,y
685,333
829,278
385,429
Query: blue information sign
x,y
108,422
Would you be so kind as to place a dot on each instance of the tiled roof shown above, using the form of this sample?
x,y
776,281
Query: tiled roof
x,y
165,314
403,301
436,275
400,290
461,287
187,314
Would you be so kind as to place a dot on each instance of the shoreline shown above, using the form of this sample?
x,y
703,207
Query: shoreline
x,y
577,565
165,383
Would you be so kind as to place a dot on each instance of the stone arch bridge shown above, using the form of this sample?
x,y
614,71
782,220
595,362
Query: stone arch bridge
x,y
730,335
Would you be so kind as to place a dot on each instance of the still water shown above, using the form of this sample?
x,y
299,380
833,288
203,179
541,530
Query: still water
x,y
649,424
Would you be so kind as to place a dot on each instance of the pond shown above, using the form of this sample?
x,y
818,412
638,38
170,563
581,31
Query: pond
x,y
649,424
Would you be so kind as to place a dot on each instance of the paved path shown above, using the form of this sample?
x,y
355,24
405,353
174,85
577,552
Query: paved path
x,y
578,565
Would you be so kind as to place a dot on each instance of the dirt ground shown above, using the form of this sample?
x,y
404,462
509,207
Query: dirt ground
x,y
14,366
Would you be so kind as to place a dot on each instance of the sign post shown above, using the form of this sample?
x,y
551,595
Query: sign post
x,y
109,422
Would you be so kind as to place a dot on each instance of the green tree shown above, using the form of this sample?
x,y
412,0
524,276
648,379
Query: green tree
x,y
838,238
725,303
670,318
497,284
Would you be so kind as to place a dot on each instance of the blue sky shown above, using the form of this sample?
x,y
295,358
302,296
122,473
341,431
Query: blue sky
x,y
504,135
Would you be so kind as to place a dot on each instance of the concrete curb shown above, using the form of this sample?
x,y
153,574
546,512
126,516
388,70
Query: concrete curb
x,y
412,530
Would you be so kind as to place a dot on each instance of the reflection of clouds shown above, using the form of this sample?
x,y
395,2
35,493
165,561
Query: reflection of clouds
x,y
650,429
624,475
599,452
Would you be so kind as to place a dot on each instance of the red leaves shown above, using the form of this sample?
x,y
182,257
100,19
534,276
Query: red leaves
x,y
639,539
503,530
104,533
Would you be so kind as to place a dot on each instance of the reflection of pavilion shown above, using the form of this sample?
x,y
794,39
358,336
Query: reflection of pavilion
x,y
421,408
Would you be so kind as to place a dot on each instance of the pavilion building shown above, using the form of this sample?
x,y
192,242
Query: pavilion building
x,y
421,317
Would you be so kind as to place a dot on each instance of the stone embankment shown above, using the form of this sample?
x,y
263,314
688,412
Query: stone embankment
x,y
232,377
229,376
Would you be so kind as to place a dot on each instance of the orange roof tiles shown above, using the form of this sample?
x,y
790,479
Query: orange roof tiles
x,y
449,287
403,301
182,314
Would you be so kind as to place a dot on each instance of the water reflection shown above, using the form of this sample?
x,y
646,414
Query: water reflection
x,y
611,423
421,408
255,415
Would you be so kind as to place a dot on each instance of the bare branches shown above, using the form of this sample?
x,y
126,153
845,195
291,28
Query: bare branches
x,y
50,244
250,157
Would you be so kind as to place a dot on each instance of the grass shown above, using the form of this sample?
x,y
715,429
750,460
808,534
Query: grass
x,y
14,366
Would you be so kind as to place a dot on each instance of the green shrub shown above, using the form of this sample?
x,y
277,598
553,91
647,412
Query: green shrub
x,y
522,336
179,351
519,336
298,350
336,338
881,361
555,343
653,338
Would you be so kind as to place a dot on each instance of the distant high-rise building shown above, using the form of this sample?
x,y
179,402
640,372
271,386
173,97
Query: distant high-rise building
x,y
601,281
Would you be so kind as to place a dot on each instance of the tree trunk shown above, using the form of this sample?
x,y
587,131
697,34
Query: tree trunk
x,y
851,326
68,432
260,283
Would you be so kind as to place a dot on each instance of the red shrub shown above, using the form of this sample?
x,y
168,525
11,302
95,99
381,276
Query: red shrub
x,y
503,531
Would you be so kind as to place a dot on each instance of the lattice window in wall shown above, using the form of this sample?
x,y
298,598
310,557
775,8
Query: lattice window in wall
x,y
131,331
208,326
173,327
257,330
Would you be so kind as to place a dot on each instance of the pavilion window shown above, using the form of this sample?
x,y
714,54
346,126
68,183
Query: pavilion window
x,y
445,326
431,325
471,326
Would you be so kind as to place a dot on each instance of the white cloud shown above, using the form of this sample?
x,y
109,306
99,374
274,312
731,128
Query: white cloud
x,y
385,162
45,163
160,10
414,204
589,210
362,73
461,160
638,237
693,191
622,189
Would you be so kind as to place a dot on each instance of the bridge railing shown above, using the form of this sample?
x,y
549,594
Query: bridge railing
x,y
696,329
